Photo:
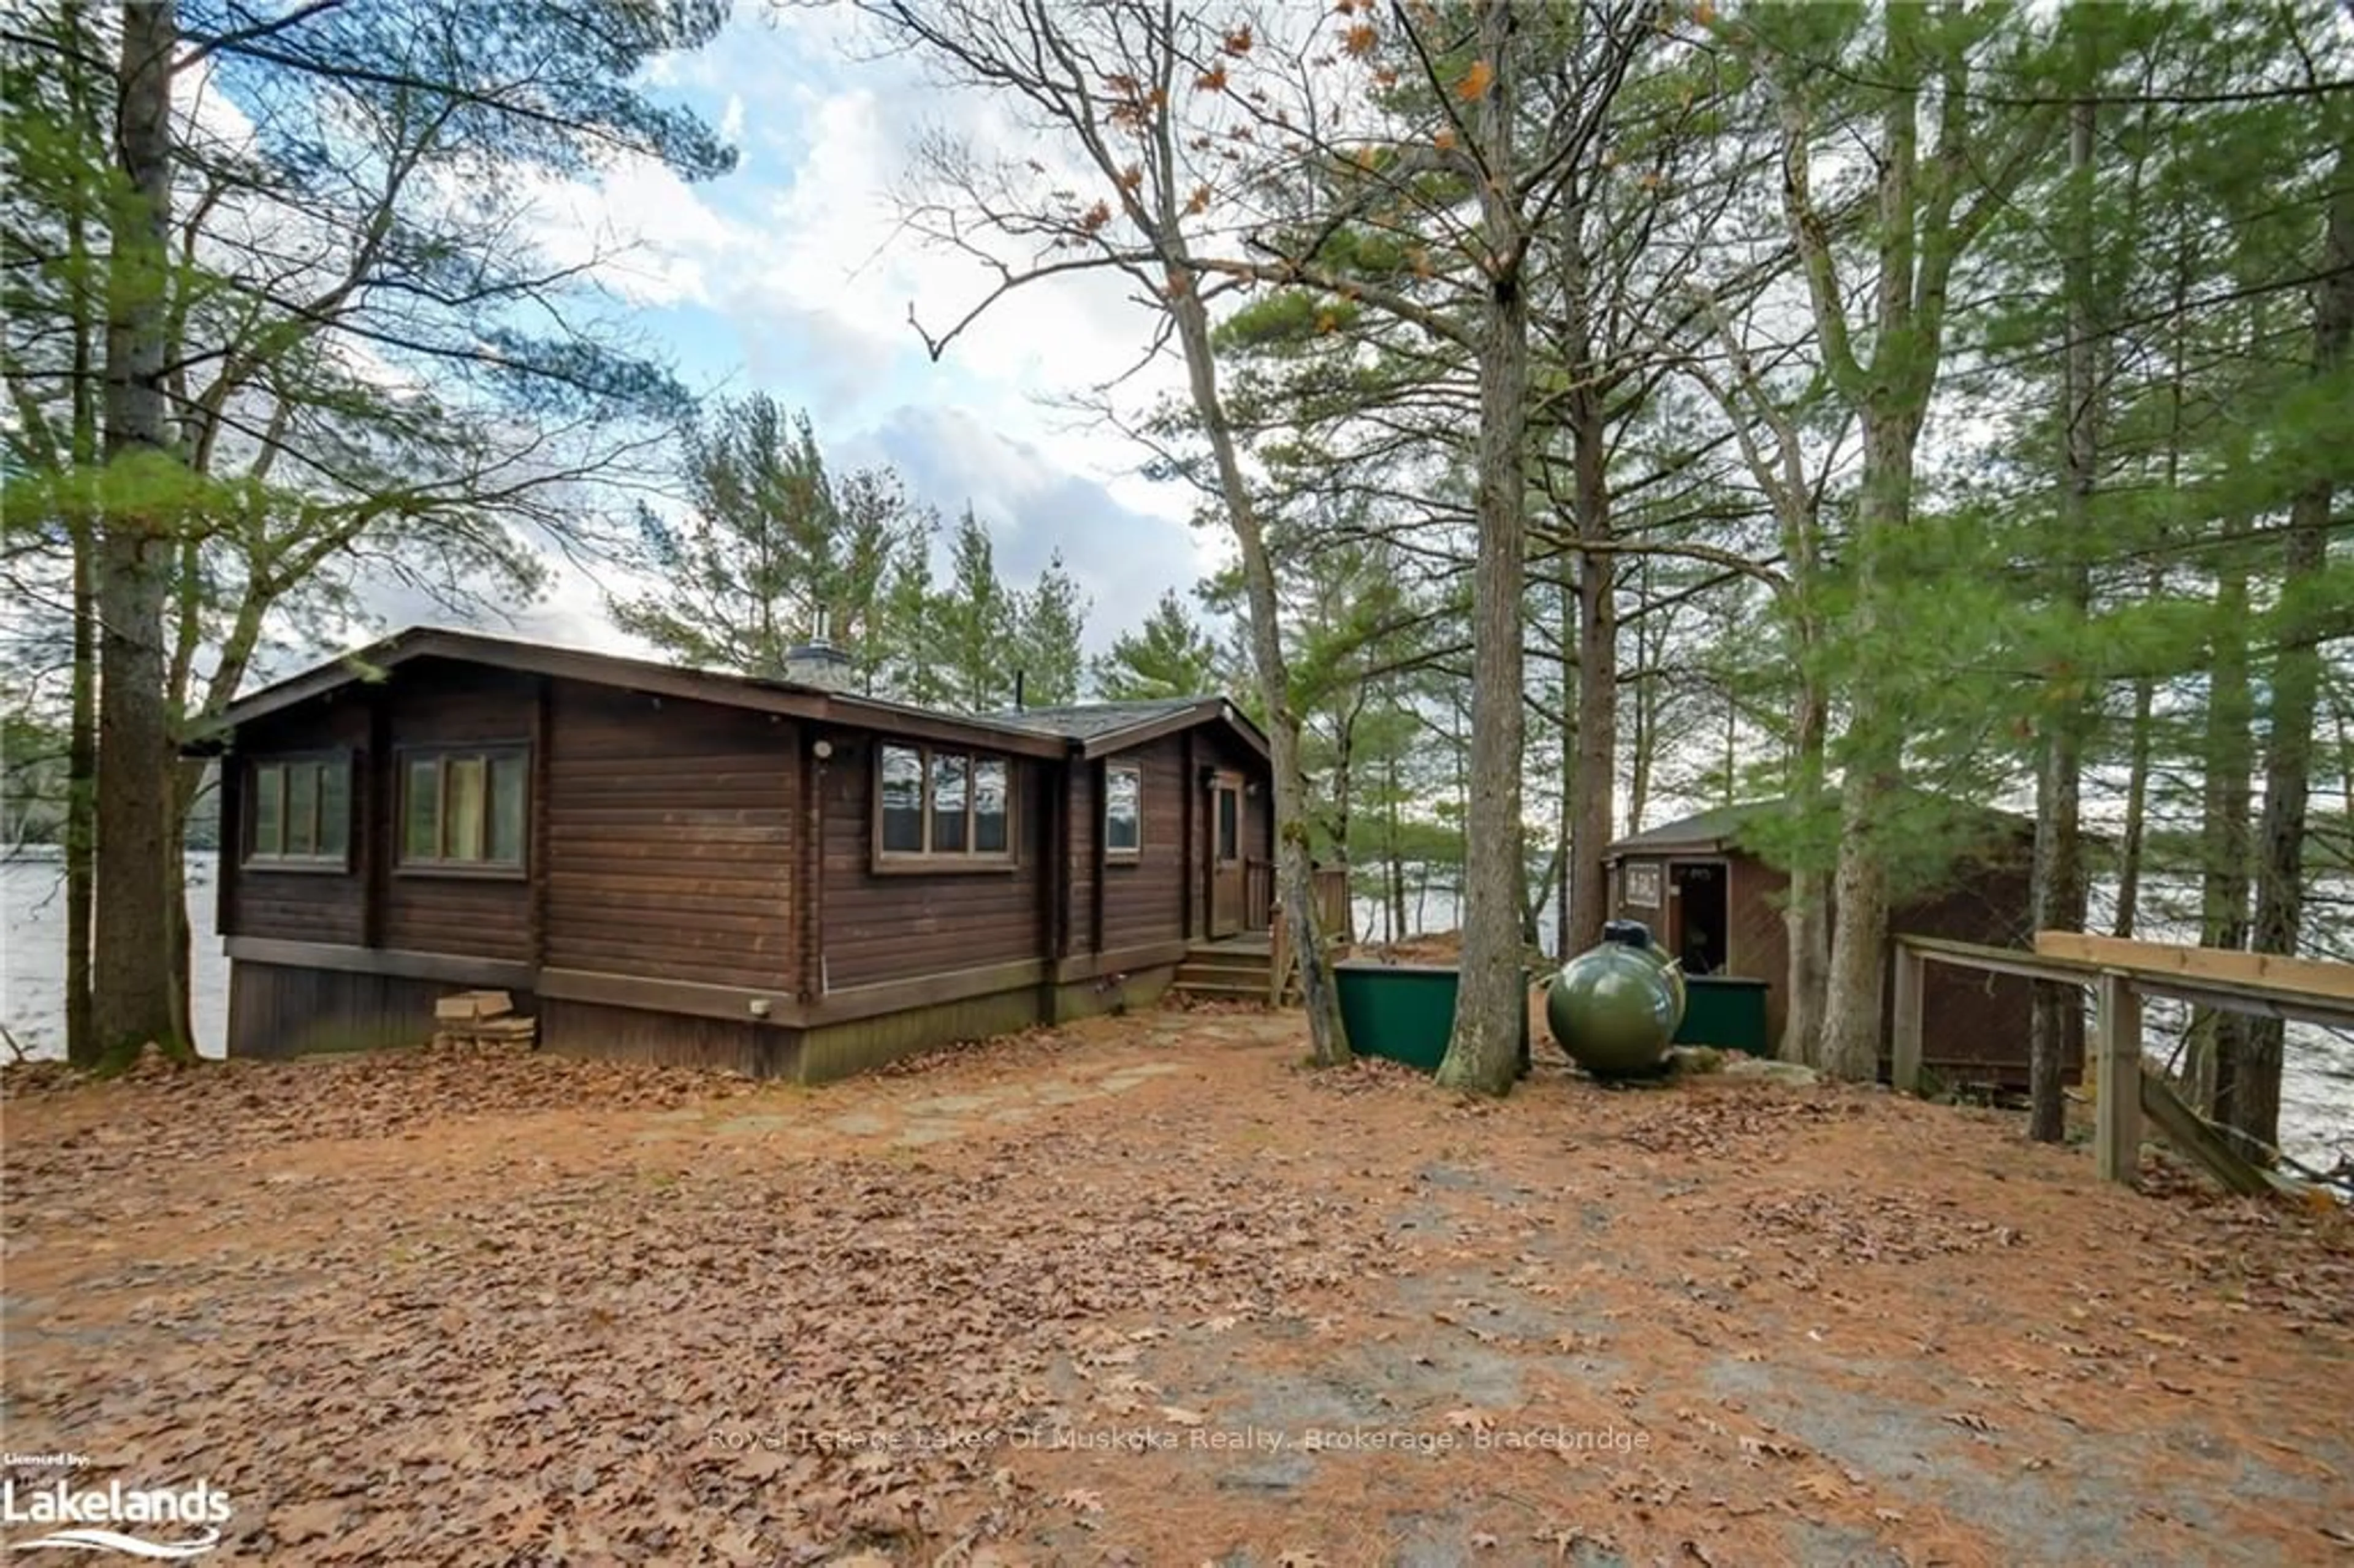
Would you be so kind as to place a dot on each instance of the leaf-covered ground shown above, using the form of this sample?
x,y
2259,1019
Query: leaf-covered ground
x,y
1142,1290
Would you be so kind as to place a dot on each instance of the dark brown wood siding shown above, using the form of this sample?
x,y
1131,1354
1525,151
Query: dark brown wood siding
x,y
903,925
669,839
279,1010
434,703
1757,942
1974,1026
1082,829
308,906
1143,899
667,1039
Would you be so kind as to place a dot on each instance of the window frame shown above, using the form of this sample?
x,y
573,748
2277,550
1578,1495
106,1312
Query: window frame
x,y
337,863
901,861
1225,788
1123,854
490,753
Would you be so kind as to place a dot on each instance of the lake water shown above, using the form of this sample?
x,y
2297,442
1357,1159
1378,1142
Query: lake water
x,y
33,956
2316,1080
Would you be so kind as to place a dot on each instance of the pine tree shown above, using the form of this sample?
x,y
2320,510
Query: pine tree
x,y
771,548
973,618
1168,656
1049,620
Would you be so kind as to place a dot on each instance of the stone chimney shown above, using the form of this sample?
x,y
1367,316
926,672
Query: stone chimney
x,y
818,663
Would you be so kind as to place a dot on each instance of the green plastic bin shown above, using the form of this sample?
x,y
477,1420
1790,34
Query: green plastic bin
x,y
1404,1011
1727,1011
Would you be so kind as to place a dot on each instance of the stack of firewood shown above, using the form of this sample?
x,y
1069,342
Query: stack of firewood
x,y
482,1018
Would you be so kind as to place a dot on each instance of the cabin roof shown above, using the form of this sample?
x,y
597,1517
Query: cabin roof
x,y
1100,728
1719,828
1093,728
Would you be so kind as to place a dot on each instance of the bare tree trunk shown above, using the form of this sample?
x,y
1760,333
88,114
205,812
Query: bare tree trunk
x,y
131,962
1393,907
2134,832
1490,1006
1598,619
2056,894
81,826
81,804
2224,810
1598,732
1855,984
2255,1064
1564,925
1806,917
1328,1043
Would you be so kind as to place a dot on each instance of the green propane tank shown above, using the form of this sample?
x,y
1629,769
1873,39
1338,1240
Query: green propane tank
x,y
1614,1007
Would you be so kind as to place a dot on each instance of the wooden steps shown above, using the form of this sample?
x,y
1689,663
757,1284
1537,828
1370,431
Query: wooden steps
x,y
1227,972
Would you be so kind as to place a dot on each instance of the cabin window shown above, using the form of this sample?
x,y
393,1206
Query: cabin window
x,y
1123,810
902,774
942,807
991,806
1229,824
300,813
463,811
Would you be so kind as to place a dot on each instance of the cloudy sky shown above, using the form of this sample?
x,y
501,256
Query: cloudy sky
x,y
790,277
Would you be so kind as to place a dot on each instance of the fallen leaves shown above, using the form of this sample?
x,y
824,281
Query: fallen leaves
x,y
1821,1487
1866,1227
548,1294
718,1348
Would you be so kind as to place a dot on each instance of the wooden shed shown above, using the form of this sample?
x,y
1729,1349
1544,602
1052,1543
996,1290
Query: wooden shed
x,y
1718,905
781,876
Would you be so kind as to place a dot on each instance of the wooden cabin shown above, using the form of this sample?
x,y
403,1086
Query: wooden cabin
x,y
779,877
1718,905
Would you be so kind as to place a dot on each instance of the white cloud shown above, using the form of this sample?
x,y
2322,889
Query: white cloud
x,y
799,278
648,234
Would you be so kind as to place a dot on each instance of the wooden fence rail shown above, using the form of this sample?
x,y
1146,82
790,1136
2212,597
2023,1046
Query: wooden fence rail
x,y
2120,973
1335,918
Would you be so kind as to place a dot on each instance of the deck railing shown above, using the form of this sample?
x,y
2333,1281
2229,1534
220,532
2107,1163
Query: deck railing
x,y
1334,919
2121,972
1259,894
1335,915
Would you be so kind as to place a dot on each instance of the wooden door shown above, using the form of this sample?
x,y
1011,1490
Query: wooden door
x,y
1224,846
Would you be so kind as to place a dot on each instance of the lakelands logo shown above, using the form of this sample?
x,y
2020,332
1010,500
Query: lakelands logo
x,y
93,1517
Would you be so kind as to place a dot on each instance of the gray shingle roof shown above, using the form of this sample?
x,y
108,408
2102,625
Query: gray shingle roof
x,y
1086,721
1716,827
1720,827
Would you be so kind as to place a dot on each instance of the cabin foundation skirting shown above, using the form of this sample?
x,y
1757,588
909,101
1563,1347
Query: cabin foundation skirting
x,y
334,1003
278,1011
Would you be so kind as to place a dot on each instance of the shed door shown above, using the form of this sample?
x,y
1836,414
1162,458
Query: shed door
x,y
1223,845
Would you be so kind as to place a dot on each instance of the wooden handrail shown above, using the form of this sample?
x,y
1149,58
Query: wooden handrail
x,y
2000,961
1335,915
2268,984
2120,973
